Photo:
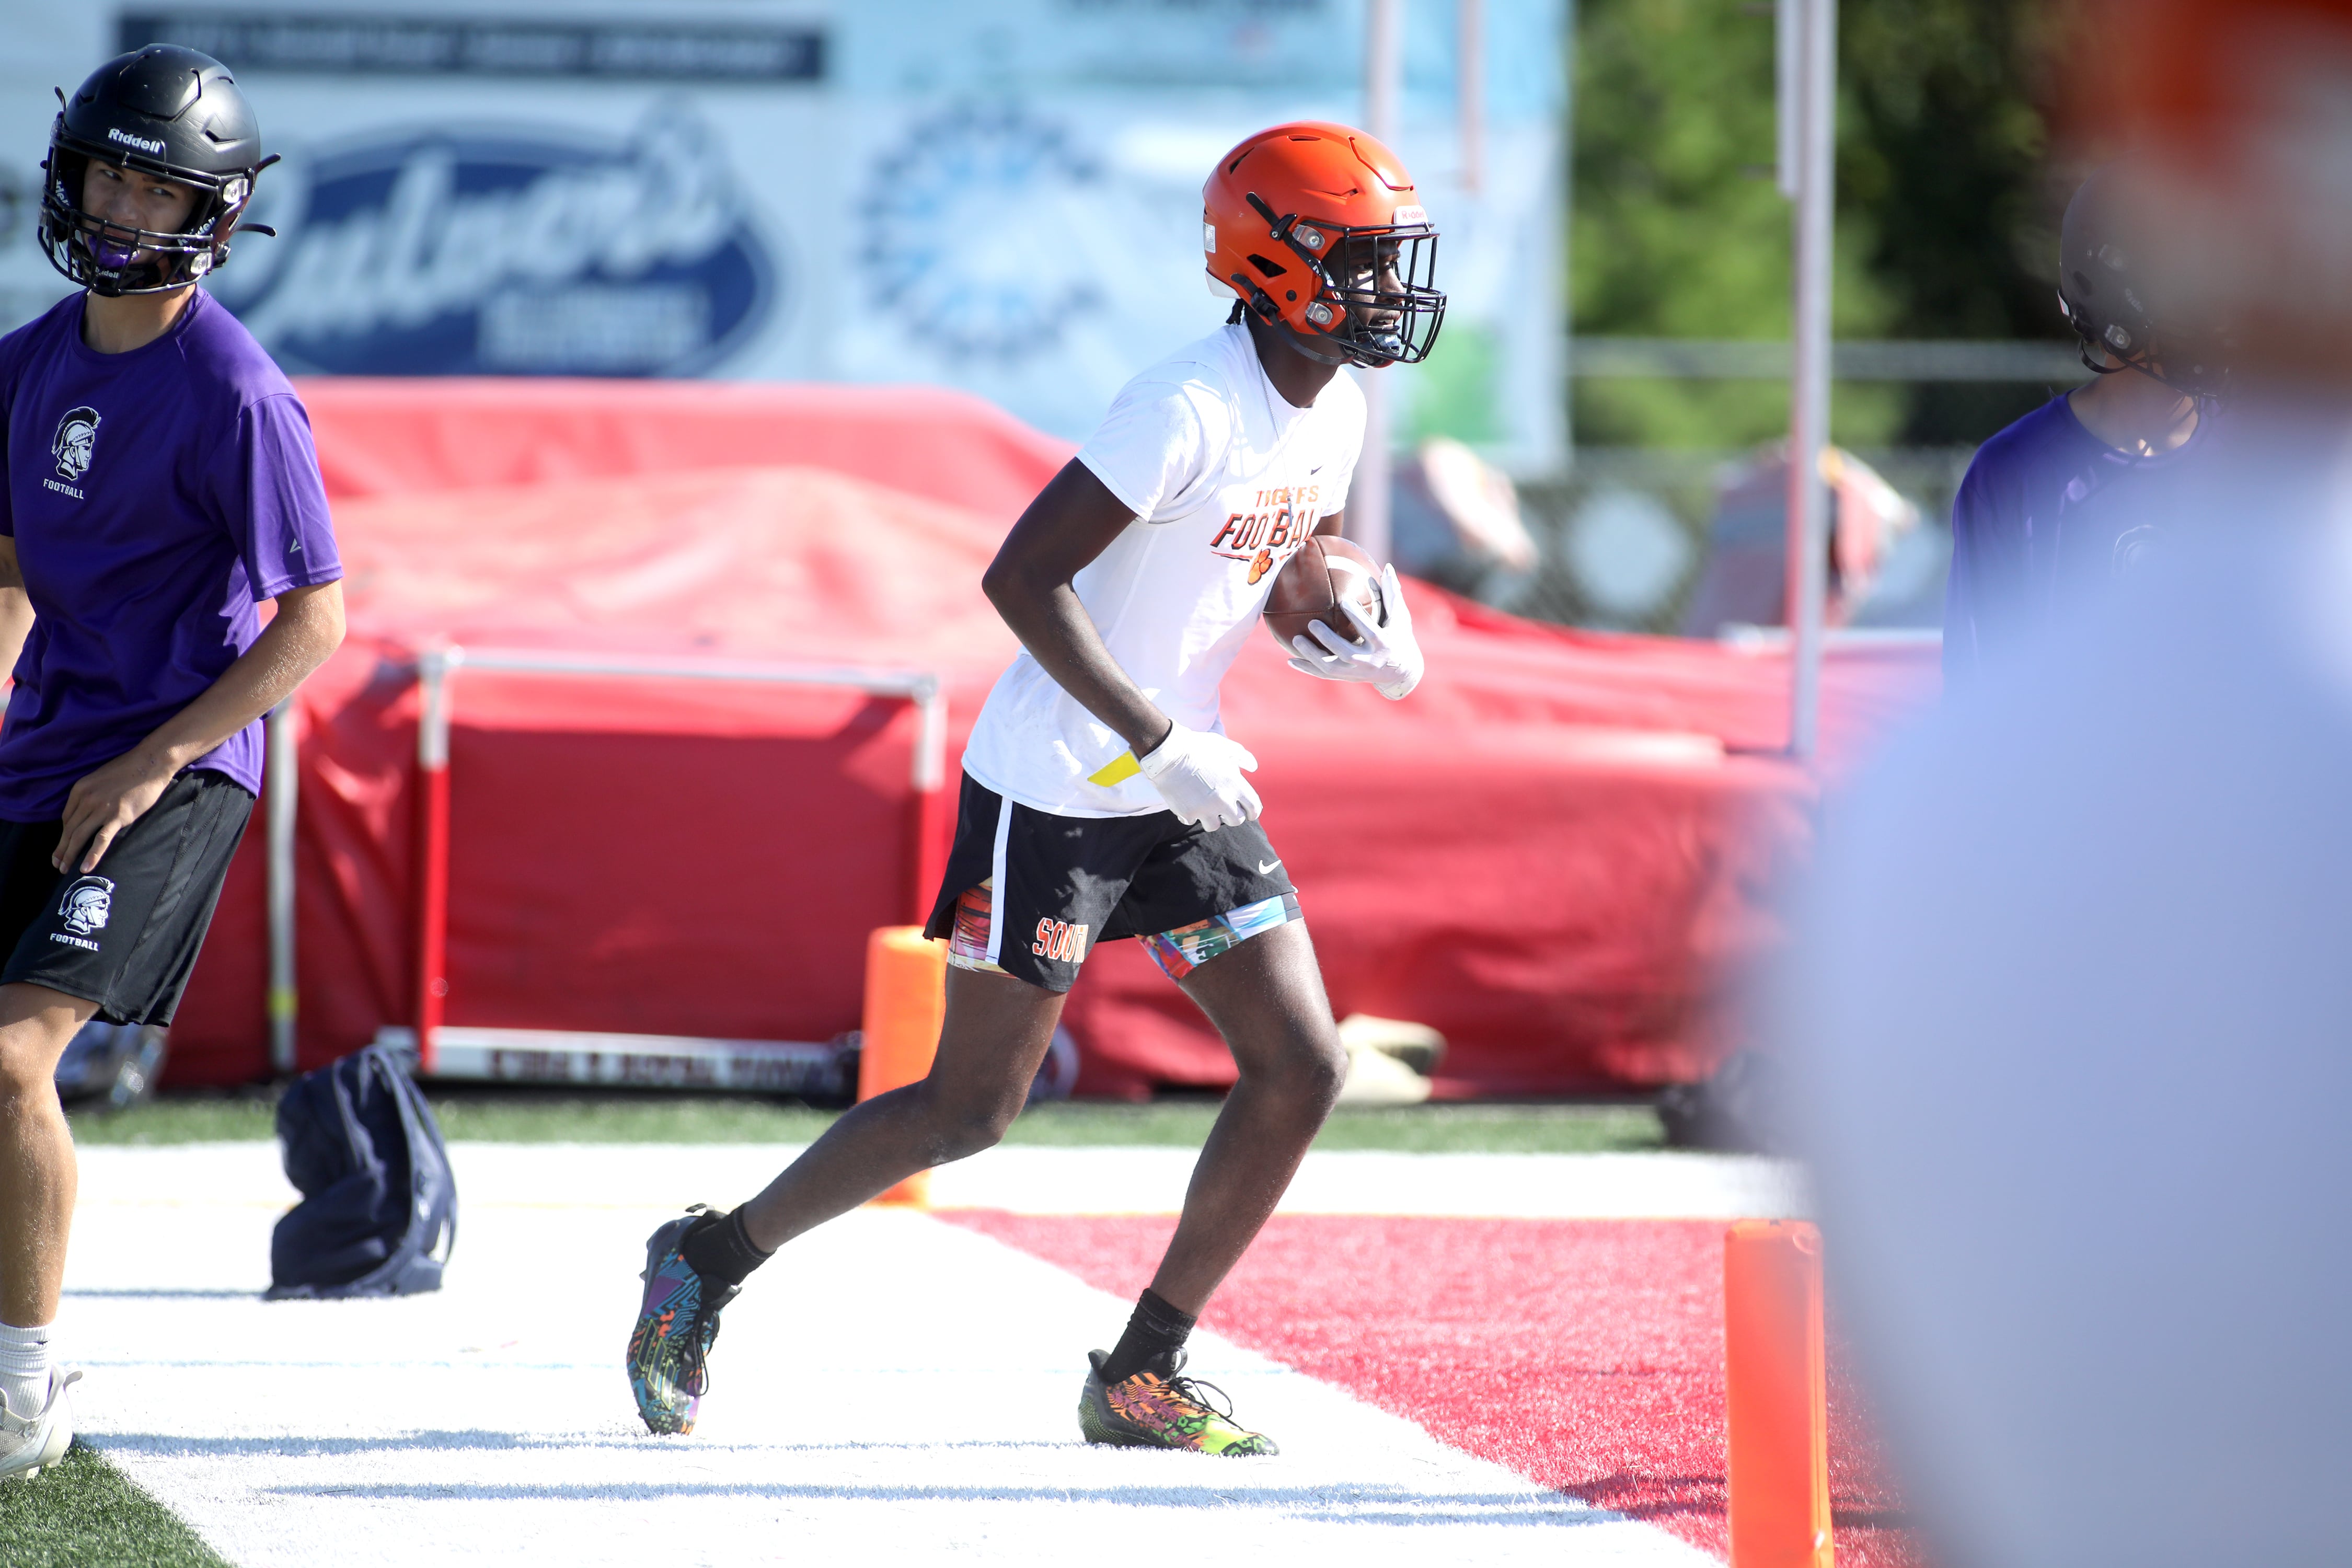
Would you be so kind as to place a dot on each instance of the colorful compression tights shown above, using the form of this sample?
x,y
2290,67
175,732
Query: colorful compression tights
x,y
1178,952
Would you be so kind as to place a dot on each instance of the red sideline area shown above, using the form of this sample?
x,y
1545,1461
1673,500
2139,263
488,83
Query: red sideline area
x,y
1587,1355
1546,853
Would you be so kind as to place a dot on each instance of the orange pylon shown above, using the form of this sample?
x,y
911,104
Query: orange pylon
x,y
1776,1372
906,1002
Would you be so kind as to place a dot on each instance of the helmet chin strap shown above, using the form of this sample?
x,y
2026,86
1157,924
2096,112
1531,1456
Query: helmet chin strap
x,y
1263,310
2145,365
1297,341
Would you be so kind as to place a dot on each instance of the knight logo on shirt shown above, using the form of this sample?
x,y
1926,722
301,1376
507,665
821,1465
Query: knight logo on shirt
x,y
86,904
76,436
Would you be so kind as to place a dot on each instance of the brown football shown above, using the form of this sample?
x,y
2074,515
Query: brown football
x,y
1311,584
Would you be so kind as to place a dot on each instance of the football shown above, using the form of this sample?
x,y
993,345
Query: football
x,y
1311,584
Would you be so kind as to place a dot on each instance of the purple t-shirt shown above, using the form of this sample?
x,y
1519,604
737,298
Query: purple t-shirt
x,y
2048,513
154,497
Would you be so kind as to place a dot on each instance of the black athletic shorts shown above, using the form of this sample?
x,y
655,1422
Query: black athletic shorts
x,y
1029,892
125,936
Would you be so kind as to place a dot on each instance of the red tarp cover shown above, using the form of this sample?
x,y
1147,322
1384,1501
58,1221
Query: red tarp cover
x,y
397,436
1545,853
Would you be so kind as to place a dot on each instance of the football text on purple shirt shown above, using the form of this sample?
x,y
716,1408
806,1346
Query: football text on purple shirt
x,y
155,497
2048,512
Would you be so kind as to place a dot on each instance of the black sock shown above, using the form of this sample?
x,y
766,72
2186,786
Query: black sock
x,y
1154,1333
718,1250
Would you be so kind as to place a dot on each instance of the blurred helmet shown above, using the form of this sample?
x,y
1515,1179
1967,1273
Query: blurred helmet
x,y
2112,285
1318,227
162,111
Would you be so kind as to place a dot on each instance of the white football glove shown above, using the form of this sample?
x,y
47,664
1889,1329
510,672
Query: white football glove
x,y
1198,774
1388,657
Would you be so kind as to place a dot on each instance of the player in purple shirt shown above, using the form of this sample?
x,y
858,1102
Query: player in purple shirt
x,y
2068,498
159,483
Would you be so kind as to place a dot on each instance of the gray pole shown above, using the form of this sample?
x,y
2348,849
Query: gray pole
x,y
282,786
1368,495
1470,90
1814,146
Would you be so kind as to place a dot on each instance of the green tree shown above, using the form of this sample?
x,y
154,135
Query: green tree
x,y
1679,230
1946,148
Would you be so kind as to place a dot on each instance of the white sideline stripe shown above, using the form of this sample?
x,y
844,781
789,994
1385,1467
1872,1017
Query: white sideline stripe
x,y
1027,1179
892,1389
1022,1178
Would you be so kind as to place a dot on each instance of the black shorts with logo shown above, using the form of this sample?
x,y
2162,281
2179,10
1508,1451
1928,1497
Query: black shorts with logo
x,y
1060,884
126,935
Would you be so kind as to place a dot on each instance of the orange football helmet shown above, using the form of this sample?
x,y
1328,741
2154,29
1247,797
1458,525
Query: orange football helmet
x,y
1318,227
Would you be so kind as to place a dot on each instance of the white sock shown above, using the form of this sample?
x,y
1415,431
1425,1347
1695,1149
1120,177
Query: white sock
x,y
25,1369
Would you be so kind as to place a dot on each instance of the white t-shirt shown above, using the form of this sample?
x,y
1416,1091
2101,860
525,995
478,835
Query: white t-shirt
x,y
1226,481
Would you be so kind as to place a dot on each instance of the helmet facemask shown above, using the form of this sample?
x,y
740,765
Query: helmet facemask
x,y
2199,369
1374,296
113,259
2128,287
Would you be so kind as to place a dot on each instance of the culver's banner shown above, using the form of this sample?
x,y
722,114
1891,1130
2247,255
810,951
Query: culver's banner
x,y
482,250
1001,197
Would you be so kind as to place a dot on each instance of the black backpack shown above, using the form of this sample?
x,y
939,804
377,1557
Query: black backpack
x,y
378,1200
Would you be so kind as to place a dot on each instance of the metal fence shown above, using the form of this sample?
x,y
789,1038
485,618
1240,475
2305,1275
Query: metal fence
x,y
1685,484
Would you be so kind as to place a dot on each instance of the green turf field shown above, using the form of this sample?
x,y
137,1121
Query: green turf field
x,y
85,1513
537,1117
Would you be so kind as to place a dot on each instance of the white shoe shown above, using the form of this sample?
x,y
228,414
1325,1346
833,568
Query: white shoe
x,y
29,1442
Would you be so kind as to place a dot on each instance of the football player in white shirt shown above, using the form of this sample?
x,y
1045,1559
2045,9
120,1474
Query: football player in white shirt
x,y
1101,797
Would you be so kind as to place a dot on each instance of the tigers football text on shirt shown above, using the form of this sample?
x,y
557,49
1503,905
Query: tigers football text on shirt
x,y
2048,512
155,497
1226,480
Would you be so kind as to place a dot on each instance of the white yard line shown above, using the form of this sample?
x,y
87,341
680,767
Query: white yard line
x,y
891,1390
1035,1180
1031,1180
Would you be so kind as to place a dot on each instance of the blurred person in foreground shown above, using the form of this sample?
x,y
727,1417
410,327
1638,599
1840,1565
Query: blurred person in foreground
x,y
1102,799
159,483
2061,502
2071,1013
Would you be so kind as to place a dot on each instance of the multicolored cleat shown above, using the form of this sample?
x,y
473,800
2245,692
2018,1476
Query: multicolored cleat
x,y
678,1321
1152,1410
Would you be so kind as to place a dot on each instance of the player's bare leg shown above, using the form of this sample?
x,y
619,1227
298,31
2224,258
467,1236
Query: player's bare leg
x,y
996,1031
996,1034
37,1199
36,1151
1265,996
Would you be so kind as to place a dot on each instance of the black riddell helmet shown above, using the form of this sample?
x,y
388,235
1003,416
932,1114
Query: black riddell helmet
x,y
160,110
2113,288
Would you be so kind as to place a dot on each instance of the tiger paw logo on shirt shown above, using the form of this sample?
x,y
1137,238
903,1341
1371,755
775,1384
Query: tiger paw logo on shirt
x,y
76,440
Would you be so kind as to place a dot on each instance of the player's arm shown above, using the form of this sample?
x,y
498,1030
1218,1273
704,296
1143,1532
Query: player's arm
x,y
15,606
1074,520
308,627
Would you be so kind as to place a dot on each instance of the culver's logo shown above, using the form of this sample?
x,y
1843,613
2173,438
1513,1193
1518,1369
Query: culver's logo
x,y
493,252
